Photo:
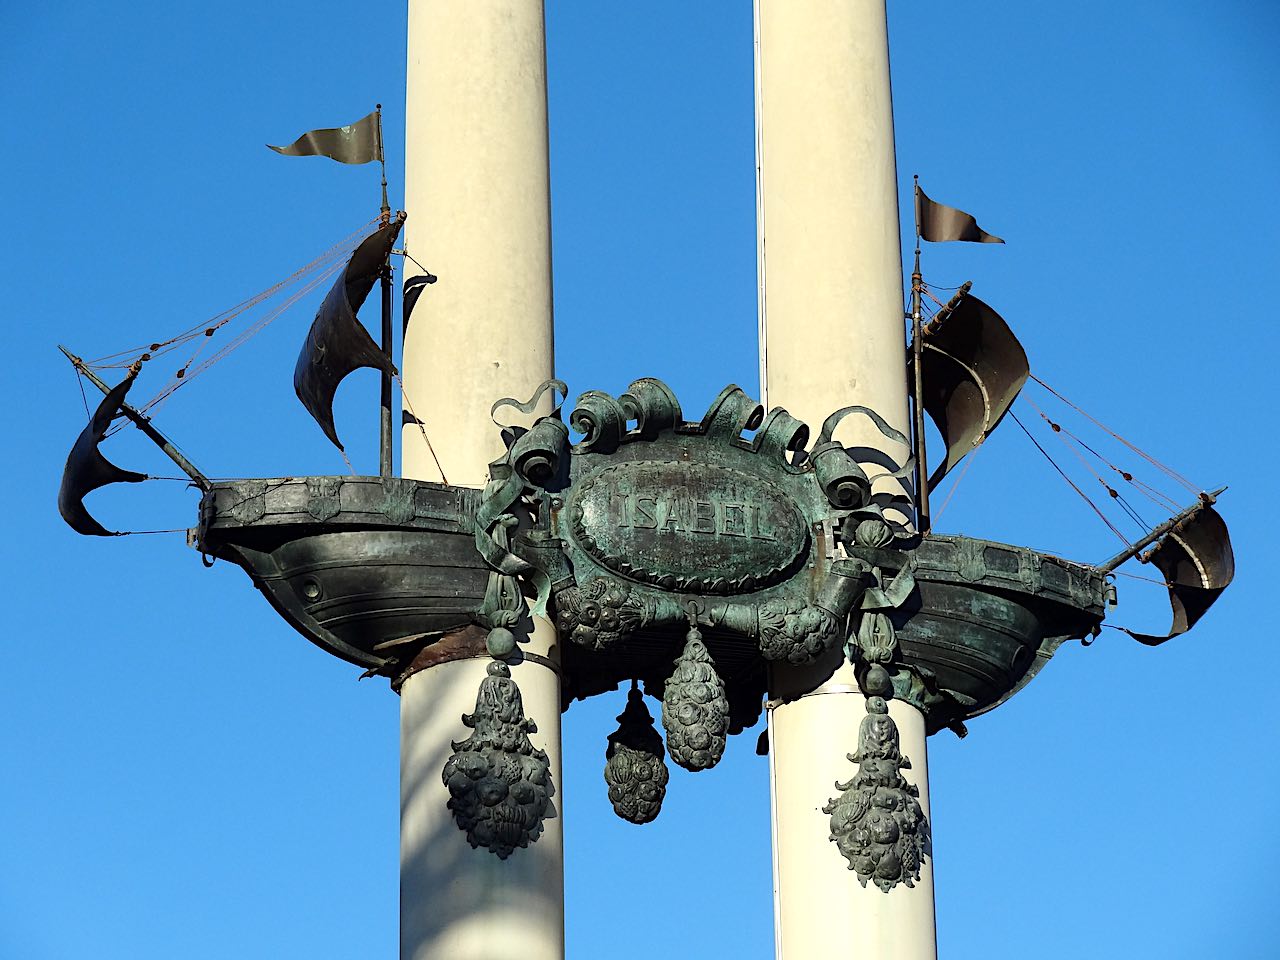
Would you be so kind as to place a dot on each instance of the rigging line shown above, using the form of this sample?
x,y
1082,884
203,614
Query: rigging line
x,y
203,333
1136,449
347,460
1115,494
1125,474
325,261
1064,434
409,256
259,325
1134,576
84,399
1155,496
952,492
925,290
404,396
240,339
1084,496
140,533
346,243
1133,514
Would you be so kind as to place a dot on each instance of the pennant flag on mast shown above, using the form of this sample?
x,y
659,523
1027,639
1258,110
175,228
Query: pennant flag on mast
x,y
359,142
937,222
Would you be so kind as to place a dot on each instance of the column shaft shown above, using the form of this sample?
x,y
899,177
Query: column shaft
x,y
478,197
831,334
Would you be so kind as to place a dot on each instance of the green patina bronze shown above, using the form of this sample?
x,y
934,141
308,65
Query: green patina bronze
x,y
683,556
635,769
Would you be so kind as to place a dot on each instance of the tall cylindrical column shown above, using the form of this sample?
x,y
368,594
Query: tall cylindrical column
x,y
831,334
478,197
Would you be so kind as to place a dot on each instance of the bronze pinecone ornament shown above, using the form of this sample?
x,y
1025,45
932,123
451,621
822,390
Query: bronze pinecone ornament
x,y
695,709
635,764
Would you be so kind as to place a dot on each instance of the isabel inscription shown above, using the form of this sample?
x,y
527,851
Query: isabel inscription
x,y
688,526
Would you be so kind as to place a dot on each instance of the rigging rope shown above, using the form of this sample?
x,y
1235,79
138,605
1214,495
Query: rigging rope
x,y
409,256
404,396
218,320
1134,576
925,290
1148,491
185,376
312,274
1083,496
83,399
968,462
1173,474
1115,494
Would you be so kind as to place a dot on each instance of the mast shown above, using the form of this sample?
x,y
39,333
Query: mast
x,y
385,440
917,379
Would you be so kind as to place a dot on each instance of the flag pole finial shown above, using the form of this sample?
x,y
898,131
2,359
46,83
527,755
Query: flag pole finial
x,y
382,160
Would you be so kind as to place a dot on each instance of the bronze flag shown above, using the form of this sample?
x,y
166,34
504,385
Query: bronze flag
x,y
938,222
359,142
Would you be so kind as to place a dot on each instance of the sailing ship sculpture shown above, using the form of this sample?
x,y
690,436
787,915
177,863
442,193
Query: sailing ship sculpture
x,y
681,557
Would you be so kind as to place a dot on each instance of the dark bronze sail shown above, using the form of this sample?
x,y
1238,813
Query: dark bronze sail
x,y
338,344
1198,564
87,469
413,288
972,367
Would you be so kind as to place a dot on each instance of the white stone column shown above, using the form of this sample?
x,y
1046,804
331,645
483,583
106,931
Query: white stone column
x,y
478,197
831,334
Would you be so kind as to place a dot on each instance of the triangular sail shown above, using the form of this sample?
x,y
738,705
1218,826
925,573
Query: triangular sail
x,y
338,344
87,469
972,367
1198,564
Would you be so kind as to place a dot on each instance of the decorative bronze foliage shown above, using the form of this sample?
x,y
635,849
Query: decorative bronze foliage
x,y
695,709
635,767
877,821
795,631
499,784
597,614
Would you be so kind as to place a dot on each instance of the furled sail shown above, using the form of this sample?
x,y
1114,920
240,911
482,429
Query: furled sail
x,y
1198,564
338,344
87,469
972,367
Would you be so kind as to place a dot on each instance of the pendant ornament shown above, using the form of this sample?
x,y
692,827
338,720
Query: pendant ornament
x,y
876,820
695,709
499,784
635,764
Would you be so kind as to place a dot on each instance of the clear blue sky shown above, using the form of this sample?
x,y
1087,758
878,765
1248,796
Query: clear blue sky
x,y
183,776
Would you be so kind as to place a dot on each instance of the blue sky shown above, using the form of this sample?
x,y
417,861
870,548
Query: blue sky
x,y
186,777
